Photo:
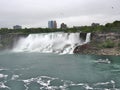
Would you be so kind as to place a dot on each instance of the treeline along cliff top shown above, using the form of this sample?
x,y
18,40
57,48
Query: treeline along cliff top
x,y
109,27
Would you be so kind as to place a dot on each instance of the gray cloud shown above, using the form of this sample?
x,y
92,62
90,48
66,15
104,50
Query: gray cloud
x,y
36,13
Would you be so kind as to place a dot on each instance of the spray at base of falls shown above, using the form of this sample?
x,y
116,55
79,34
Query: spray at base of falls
x,y
63,43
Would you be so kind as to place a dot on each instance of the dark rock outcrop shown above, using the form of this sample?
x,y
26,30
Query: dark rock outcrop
x,y
81,48
83,36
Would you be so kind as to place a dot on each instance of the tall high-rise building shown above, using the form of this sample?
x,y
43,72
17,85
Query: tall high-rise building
x,y
52,24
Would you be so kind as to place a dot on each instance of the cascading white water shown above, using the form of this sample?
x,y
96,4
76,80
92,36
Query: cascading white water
x,y
50,42
88,37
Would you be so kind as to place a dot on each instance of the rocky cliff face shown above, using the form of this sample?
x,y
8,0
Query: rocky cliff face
x,y
95,46
101,37
7,41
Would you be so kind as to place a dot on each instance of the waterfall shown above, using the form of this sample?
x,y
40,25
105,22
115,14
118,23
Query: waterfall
x,y
88,37
50,43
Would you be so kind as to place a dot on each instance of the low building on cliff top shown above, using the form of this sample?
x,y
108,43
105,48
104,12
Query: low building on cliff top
x,y
63,26
95,24
17,27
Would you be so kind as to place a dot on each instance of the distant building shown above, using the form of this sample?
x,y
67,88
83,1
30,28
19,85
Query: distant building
x,y
95,24
63,26
17,27
52,24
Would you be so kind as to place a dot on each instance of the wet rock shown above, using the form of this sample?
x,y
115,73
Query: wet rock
x,y
81,48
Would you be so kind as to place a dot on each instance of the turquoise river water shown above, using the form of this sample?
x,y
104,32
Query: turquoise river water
x,y
36,71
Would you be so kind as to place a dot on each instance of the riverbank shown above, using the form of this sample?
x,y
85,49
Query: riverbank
x,y
95,50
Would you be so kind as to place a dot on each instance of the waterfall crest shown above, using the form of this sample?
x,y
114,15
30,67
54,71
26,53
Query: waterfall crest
x,y
50,43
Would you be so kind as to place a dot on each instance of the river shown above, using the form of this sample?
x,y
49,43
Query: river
x,y
45,71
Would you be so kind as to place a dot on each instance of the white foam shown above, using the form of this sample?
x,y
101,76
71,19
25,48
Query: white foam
x,y
106,61
2,69
3,76
88,87
2,85
45,83
112,81
102,83
29,80
14,77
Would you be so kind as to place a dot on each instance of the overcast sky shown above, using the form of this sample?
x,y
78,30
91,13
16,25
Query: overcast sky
x,y
37,13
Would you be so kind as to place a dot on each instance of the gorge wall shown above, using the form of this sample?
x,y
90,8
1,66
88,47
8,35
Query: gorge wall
x,y
7,41
101,44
